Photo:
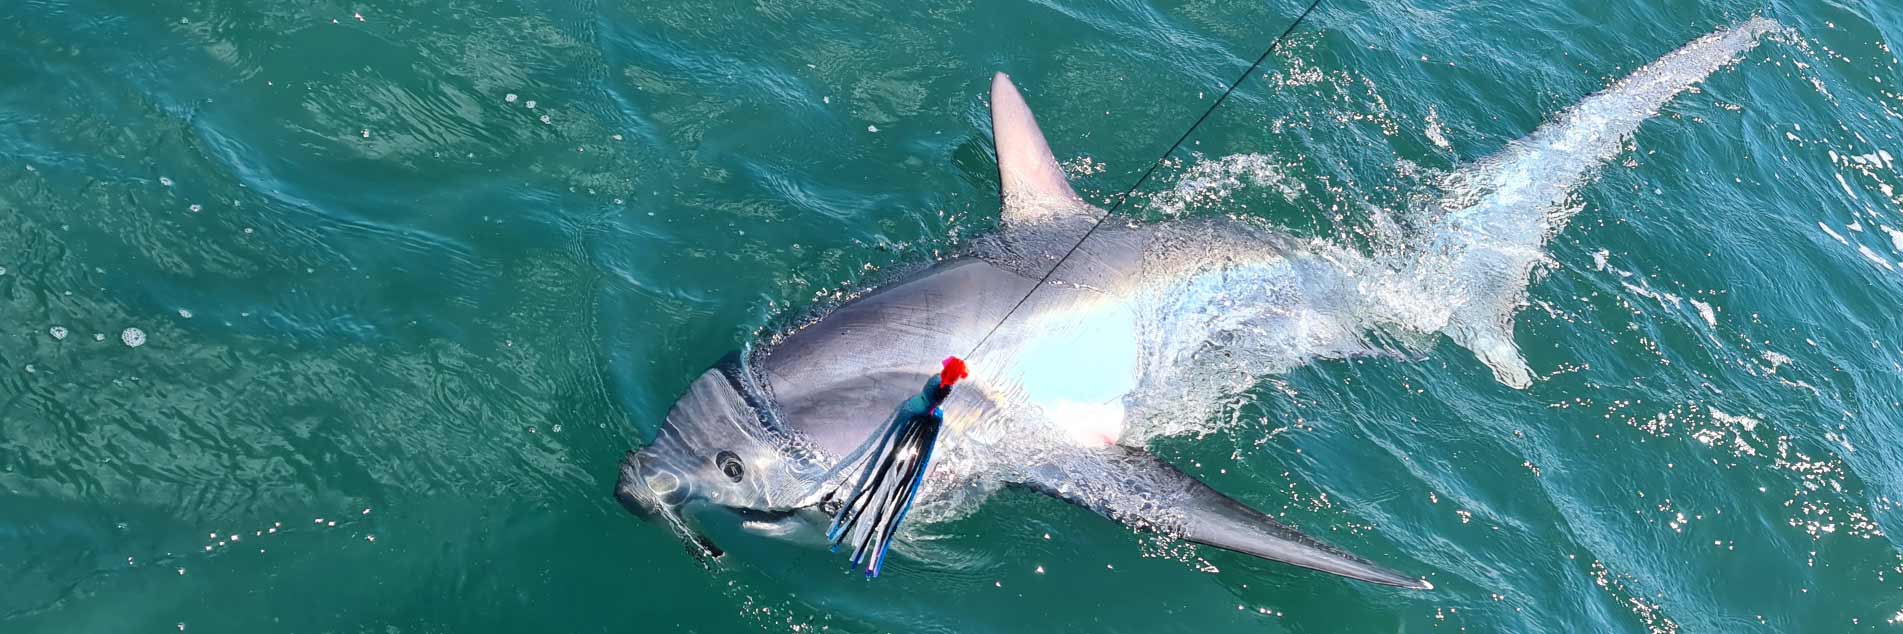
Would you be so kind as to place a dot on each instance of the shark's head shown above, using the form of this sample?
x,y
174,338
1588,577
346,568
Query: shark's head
x,y
715,452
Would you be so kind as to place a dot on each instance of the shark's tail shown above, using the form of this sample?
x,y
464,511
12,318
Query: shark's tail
x,y
1497,215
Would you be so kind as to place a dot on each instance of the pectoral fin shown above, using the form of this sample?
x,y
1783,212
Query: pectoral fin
x,y
1136,488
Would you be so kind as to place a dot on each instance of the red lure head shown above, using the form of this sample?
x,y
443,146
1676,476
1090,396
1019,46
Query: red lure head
x,y
954,370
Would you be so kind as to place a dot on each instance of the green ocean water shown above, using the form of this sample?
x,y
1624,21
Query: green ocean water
x,y
410,277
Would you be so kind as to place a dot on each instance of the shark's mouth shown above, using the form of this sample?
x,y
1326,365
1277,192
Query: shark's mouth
x,y
681,479
642,499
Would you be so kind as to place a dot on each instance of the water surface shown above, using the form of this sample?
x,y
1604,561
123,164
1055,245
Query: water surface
x,y
411,276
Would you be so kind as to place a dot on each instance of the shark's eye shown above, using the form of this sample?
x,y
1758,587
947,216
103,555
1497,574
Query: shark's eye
x,y
730,464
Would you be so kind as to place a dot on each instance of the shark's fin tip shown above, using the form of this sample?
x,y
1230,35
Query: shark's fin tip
x,y
1034,186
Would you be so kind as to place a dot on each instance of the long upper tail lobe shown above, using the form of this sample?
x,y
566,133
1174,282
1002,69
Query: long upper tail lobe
x,y
1500,211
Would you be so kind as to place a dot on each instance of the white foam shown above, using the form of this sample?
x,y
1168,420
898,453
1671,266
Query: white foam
x,y
1896,237
1745,422
1705,311
1433,131
1776,359
1833,233
1210,183
1668,300
1845,185
1873,257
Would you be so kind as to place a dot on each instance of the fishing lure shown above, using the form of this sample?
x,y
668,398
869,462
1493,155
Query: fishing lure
x,y
895,467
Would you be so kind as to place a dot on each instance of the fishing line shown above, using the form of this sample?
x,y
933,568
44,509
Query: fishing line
x,y
1273,45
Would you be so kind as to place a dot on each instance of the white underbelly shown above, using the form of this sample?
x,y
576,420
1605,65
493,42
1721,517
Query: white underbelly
x,y
1078,367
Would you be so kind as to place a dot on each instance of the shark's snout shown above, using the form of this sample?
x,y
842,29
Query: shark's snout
x,y
654,491
648,489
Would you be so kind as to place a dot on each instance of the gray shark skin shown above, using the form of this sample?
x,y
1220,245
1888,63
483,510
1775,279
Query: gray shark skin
x,y
1141,323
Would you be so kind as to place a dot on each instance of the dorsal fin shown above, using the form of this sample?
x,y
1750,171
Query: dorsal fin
x,y
1032,184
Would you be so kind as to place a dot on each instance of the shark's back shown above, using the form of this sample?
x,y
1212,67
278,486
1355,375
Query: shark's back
x,y
840,377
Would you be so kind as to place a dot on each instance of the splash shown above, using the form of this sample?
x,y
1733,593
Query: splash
x,y
1229,316
1208,184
